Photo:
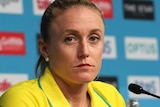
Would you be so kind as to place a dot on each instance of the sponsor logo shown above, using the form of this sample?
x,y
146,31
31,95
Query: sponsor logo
x,y
136,9
109,50
7,80
40,6
149,83
11,6
4,85
141,48
12,43
105,6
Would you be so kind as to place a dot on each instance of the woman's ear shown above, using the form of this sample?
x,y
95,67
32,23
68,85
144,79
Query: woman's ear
x,y
43,48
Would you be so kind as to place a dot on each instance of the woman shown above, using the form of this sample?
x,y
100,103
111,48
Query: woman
x,y
71,53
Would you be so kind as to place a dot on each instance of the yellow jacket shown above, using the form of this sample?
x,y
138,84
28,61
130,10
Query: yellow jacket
x,y
30,94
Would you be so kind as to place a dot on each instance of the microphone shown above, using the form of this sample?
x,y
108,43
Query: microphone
x,y
139,90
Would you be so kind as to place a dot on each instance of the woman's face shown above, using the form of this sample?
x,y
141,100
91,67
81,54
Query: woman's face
x,y
76,44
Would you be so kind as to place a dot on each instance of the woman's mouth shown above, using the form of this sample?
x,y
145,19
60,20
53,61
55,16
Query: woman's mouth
x,y
84,66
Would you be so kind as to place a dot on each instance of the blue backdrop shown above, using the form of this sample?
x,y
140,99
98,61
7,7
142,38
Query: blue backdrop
x,y
118,27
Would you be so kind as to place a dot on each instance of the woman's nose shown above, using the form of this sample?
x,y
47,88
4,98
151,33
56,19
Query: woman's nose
x,y
83,50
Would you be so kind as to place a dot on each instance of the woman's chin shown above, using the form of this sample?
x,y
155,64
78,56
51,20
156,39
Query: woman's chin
x,y
86,79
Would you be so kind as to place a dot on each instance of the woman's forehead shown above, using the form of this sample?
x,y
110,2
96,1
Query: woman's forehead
x,y
79,17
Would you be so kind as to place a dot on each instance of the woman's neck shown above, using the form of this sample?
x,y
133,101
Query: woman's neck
x,y
76,94
77,101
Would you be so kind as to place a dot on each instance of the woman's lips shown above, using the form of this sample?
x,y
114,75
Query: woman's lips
x,y
82,65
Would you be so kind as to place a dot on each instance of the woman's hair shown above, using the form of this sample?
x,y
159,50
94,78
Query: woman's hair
x,y
53,10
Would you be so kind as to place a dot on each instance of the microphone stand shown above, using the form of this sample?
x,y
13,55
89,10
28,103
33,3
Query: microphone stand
x,y
138,90
145,92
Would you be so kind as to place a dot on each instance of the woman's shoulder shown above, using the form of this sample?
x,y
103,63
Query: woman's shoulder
x,y
22,88
109,92
105,89
30,84
23,94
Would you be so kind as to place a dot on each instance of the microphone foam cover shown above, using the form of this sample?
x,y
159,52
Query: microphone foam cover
x,y
135,88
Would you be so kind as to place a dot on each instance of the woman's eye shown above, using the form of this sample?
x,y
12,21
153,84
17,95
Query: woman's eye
x,y
70,40
94,38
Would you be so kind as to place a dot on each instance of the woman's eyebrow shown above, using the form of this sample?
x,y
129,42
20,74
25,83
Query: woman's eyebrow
x,y
76,31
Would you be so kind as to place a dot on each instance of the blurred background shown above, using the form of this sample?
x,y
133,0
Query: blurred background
x,y
131,52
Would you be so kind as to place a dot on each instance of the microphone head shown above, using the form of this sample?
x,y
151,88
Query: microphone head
x,y
135,88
